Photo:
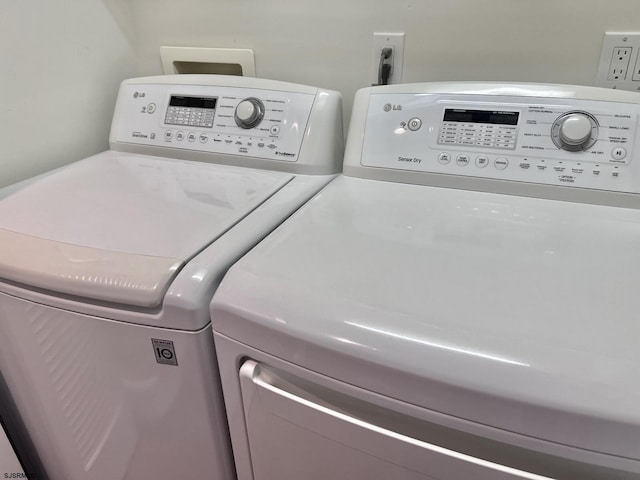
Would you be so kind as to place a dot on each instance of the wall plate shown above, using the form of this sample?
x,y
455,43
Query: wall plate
x,y
619,65
224,61
396,42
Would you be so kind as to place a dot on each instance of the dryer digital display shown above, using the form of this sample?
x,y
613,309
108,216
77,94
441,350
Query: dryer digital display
x,y
480,116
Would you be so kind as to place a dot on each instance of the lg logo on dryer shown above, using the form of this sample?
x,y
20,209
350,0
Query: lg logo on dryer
x,y
388,107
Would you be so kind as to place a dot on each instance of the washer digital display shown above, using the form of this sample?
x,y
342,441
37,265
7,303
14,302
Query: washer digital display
x,y
191,111
192,102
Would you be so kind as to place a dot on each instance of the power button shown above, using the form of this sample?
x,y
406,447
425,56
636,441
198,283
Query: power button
x,y
414,124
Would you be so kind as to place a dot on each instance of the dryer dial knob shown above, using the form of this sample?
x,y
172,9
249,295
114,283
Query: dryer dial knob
x,y
249,113
575,131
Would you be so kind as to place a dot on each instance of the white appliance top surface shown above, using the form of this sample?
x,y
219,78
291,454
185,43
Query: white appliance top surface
x,y
95,217
515,312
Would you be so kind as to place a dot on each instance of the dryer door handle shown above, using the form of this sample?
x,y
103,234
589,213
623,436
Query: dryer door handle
x,y
268,394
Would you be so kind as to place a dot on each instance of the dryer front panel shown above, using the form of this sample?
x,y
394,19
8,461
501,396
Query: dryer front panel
x,y
300,429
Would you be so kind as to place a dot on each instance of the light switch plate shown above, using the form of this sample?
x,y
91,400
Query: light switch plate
x,y
619,65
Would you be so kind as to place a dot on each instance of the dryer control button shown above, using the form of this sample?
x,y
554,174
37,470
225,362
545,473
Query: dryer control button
x,y
501,163
618,153
414,124
444,158
462,159
482,161
575,131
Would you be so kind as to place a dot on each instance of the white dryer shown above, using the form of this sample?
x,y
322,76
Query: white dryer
x,y
462,303
107,268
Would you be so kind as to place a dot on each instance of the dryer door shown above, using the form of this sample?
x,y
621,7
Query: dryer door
x,y
298,429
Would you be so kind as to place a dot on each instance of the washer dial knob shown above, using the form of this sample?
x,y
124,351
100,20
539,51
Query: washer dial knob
x,y
575,131
249,112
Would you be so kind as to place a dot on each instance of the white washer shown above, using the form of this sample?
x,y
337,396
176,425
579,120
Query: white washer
x,y
422,318
108,267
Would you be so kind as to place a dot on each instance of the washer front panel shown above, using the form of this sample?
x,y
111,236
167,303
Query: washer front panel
x,y
202,118
502,137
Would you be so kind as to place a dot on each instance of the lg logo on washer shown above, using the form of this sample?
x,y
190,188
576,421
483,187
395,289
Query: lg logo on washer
x,y
165,351
388,107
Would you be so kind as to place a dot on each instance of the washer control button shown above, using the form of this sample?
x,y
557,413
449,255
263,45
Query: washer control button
x,y
249,113
204,138
274,130
444,158
180,136
462,159
501,163
618,153
168,135
414,124
482,161
191,136
151,108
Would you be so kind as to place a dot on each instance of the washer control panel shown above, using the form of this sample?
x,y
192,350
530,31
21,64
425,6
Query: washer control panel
x,y
251,122
553,141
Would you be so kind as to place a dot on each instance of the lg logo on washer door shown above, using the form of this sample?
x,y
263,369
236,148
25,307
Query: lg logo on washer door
x,y
164,351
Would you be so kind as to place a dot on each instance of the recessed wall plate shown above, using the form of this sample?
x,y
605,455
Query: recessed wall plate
x,y
221,61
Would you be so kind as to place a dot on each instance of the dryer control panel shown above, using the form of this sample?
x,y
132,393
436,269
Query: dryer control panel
x,y
560,136
221,119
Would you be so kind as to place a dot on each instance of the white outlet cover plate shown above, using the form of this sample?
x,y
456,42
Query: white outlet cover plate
x,y
381,40
614,40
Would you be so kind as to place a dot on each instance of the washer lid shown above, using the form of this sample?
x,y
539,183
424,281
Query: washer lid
x,y
117,227
513,312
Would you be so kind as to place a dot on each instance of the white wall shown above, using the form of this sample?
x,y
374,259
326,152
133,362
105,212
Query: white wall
x,y
60,65
328,43
61,61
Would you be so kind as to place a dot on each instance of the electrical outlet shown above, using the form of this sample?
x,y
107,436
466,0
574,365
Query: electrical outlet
x,y
635,76
619,65
395,41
